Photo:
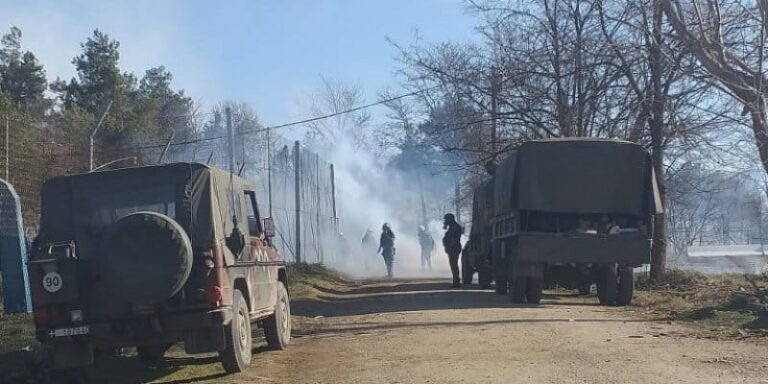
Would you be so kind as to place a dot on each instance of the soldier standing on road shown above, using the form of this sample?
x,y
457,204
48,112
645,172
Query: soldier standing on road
x,y
427,244
387,247
368,248
452,244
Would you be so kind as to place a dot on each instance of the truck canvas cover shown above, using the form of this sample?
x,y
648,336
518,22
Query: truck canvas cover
x,y
578,176
200,196
482,208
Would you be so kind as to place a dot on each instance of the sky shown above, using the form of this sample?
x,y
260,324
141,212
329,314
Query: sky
x,y
270,54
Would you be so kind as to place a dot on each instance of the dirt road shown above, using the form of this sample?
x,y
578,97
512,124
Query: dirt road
x,y
419,332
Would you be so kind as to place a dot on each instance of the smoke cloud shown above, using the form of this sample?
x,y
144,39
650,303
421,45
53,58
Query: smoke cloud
x,y
368,195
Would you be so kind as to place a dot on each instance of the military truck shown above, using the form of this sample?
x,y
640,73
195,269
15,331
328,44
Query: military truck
x,y
150,256
569,213
477,256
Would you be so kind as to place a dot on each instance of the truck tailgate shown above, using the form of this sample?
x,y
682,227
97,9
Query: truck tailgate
x,y
573,248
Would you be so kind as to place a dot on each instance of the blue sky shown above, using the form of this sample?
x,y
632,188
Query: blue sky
x,y
271,54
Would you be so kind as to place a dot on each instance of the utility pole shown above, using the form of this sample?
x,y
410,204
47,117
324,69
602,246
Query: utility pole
x,y
656,125
317,205
95,129
297,184
494,109
167,146
333,201
457,199
424,219
269,172
230,140
7,147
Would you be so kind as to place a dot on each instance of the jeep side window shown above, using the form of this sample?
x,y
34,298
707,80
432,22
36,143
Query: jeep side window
x,y
254,225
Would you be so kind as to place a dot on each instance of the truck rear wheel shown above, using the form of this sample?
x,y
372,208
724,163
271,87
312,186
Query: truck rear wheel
x,y
501,285
277,327
585,287
467,271
607,285
484,277
518,286
534,288
237,355
626,286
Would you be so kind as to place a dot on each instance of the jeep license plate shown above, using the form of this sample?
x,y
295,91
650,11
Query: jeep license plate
x,y
63,332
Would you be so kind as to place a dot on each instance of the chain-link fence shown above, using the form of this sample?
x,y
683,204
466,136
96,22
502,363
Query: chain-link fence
x,y
293,184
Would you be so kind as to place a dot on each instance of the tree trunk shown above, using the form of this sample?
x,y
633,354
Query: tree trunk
x,y
760,128
659,248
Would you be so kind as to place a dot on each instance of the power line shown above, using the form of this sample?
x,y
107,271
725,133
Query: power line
x,y
294,123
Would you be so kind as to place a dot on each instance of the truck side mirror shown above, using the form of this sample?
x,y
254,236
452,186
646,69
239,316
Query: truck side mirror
x,y
269,227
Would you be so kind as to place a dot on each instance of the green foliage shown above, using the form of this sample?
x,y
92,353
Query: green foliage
x,y
22,78
143,111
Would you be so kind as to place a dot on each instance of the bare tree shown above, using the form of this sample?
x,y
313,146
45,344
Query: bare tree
x,y
728,39
333,98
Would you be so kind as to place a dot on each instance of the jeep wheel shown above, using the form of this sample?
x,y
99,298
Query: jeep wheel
x,y
534,288
585,287
626,286
517,289
146,258
501,285
484,277
277,327
237,355
607,285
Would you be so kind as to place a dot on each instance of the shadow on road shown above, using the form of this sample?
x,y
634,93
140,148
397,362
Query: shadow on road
x,y
385,297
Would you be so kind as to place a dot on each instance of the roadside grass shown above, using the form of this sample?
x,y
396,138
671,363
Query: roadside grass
x,y
16,331
724,304
23,360
303,277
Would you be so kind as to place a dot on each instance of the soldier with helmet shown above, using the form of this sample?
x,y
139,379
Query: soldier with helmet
x,y
387,247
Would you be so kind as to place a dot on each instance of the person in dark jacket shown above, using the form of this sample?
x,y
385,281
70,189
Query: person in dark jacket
x,y
452,244
427,244
387,247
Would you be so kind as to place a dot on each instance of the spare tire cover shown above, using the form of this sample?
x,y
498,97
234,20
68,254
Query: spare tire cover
x,y
146,258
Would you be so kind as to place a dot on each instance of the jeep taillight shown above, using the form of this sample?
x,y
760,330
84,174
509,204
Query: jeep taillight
x,y
48,315
213,294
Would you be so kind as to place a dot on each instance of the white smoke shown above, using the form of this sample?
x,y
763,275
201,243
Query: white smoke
x,y
367,197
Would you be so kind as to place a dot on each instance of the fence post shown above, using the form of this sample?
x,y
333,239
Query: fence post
x,y
269,172
317,207
333,201
297,184
7,147
230,140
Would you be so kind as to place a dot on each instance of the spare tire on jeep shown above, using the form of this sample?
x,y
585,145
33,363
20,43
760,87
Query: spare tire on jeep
x,y
146,258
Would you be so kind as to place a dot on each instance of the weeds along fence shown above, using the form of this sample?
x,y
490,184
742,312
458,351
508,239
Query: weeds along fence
x,y
294,185
30,154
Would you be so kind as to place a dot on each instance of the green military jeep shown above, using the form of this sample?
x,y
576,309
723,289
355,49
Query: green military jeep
x,y
567,213
150,256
